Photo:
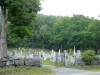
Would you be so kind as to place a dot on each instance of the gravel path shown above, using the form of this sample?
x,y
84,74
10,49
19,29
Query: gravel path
x,y
70,71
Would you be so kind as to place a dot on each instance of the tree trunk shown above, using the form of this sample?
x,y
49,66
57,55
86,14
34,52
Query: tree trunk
x,y
3,44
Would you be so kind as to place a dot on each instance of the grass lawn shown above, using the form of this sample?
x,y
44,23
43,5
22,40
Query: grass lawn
x,y
89,67
26,71
48,62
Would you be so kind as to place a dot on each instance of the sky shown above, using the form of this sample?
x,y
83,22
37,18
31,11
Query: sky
x,y
89,8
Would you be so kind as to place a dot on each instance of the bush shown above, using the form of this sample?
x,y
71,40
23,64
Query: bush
x,y
71,51
88,56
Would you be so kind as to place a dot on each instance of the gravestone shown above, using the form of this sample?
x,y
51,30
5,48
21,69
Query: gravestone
x,y
36,55
65,58
71,59
53,56
74,54
78,53
78,59
42,55
59,56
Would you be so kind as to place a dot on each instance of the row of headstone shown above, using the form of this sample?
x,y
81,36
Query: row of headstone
x,y
21,58
21,53
58,57
65,57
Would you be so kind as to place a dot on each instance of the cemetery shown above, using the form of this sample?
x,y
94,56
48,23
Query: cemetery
x,y
22,57
35,58
32,43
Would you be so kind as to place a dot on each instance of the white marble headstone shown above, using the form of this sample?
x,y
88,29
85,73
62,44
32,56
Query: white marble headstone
x,y
74,52
53,56
78,53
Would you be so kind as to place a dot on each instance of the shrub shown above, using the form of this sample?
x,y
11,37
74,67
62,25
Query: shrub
x,y
88,56
71,51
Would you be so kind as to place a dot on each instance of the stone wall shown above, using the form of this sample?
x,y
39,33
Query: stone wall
x,y
10,62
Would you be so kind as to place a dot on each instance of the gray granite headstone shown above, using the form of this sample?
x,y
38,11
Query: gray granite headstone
x,y
65,58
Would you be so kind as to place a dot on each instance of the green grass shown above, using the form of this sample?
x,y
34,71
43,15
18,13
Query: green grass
x,y
89,67
26,71
48,62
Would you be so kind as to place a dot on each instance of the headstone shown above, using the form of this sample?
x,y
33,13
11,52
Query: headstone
x,y
65,58
29,51
72,59
36,55
74,52
53,56
78,53
42,55
59,56
21,53
13,53
30,56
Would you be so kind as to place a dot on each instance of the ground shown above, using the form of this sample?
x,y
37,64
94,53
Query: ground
x,y
70,71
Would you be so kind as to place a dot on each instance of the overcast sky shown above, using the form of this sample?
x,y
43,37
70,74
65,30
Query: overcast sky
x,y
89,8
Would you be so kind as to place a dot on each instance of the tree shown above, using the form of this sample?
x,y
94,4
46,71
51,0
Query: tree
x,y
94,31
42,30
19,13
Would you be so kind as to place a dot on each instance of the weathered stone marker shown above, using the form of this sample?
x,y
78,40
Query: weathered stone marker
x,y
65,58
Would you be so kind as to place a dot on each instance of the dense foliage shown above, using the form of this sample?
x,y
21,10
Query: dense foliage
x,y
18,16
65,32
88,56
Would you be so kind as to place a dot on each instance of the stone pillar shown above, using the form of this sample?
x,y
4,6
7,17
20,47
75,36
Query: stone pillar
x,y
74,52
53,56
59,56
65,58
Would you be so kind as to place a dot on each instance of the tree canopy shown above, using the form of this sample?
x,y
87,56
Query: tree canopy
x,y
65,32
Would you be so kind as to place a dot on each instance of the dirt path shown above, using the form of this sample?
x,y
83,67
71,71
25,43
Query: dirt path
x,y
70,71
